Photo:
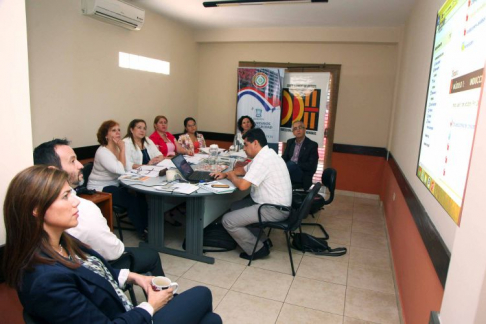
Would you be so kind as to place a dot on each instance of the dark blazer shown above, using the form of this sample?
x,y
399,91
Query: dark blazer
x,y
308,157
56,294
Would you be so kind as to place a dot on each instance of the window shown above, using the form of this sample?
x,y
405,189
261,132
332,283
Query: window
x,y
136,62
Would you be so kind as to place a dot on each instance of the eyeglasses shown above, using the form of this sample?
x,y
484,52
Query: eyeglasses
x,y
297,128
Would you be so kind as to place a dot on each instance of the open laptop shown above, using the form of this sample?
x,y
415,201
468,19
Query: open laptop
x,y
187,171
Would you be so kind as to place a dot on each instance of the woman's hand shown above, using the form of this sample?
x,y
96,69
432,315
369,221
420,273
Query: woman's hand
x,y
189,152
158,299
145,282
156,160
119,143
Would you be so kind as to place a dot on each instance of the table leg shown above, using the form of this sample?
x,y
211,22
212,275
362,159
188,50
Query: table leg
x,y
194,228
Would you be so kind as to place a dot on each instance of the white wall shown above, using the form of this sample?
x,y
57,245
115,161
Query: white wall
x,y
76,82
410,105
14,97
465,290
366,87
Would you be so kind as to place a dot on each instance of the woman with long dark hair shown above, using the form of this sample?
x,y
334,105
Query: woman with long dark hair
x,y
139,149
191,140
61,280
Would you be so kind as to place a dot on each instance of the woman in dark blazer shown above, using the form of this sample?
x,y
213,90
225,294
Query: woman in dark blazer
x,y
61,280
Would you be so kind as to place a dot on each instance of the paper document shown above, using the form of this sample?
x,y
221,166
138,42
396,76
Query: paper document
x,y
133,177
196,159
206,150
167,163
184,188
151,171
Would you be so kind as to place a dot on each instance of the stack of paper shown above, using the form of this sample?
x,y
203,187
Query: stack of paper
x,y
133,177
184,188
151,171
166,163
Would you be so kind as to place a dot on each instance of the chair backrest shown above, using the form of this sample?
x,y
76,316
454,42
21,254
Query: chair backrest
x,y
88,167
297,215
329,180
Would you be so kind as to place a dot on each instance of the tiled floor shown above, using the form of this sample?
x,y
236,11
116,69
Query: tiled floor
x,y
355,288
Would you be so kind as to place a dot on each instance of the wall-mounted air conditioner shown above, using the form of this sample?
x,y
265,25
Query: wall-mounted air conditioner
x,y
115,12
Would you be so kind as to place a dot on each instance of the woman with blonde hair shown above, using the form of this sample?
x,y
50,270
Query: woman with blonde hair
x,y
61,280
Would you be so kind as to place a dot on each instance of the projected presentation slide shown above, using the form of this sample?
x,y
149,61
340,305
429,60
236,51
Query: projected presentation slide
x,y
451,110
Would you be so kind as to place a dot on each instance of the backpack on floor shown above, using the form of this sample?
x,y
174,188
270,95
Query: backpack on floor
x,y
315,245
216,239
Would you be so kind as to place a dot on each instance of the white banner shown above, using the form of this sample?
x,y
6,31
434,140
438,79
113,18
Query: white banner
x,y
304,98
260,97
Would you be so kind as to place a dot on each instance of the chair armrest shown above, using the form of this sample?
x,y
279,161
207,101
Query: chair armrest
x,y
281,207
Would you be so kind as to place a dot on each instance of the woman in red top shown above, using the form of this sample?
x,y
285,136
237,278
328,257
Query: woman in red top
x,y
164,140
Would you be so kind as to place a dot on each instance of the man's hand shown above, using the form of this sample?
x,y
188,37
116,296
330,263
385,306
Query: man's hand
x,y
218,175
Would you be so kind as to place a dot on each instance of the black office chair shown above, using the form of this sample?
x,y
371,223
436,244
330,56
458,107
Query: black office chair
x,y
120,218
329,181
291,224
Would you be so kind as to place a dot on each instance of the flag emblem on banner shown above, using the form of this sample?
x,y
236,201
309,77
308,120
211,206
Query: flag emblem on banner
x,y
301,107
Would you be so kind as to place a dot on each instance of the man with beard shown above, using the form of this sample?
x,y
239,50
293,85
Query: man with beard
x,y
92,228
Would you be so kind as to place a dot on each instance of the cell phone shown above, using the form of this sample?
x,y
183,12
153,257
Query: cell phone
x,y
219,186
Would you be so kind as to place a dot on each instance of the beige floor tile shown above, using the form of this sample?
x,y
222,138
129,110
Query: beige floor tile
x,y
278,261
371,217
239,308
263,283
366,196
340,224
343,258
342,206
318,295
217,292
371,278
371,305
377,229
344,197
323,270
361,199
175,265
221,274
280,243
350,320
336,237
230,256
369,258
336,213
291,314
369,241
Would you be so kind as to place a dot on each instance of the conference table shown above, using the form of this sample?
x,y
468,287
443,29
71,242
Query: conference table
x,y
202,208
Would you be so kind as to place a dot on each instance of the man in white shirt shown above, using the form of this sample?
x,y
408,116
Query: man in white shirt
x,y
92,227
268,177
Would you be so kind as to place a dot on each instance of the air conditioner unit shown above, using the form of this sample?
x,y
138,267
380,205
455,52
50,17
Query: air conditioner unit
x,y
115,12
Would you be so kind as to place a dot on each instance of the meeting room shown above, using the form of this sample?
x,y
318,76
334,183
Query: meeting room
x,y
240,161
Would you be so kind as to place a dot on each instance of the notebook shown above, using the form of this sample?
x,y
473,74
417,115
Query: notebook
x,y
188,173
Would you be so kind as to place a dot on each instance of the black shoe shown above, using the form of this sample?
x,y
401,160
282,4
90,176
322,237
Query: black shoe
x,y
268,243
263,252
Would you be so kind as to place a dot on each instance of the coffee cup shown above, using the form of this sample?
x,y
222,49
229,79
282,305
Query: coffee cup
x,y
162,283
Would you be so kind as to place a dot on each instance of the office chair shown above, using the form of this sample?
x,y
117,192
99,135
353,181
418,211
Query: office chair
x,y
329,181
291,224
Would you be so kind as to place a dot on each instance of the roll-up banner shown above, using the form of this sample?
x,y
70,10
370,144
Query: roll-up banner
x,y
260,97
304,98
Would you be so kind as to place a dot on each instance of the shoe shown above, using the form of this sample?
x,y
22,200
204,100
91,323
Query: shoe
x,y
268,243
263,252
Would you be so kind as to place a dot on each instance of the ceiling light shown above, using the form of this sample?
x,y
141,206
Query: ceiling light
x,y
209,4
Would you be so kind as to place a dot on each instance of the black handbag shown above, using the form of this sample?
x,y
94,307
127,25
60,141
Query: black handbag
x,y
315,245
216,239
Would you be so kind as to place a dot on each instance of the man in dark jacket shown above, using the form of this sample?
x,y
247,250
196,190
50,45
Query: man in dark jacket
x,y
301,156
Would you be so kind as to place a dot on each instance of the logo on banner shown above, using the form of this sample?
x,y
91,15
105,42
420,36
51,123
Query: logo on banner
x,y
260,80
301,106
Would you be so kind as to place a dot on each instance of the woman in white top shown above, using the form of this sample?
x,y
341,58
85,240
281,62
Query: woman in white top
x,y
139,149
245,123
109,164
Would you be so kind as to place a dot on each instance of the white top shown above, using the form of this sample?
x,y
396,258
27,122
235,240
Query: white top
x,y
93,230
106,170
270,179
134,154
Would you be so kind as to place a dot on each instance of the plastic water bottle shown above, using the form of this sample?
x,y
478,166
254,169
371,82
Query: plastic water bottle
x,y
213,156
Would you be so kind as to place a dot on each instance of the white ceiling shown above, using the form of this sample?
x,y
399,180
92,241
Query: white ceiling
x,y
335,13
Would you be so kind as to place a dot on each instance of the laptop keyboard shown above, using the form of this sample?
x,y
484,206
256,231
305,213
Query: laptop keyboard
x,y
200,175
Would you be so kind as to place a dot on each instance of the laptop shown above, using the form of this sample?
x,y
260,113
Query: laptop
x,y
188,172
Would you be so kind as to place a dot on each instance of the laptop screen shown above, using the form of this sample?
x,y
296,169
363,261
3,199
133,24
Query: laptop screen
x,y
182,165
